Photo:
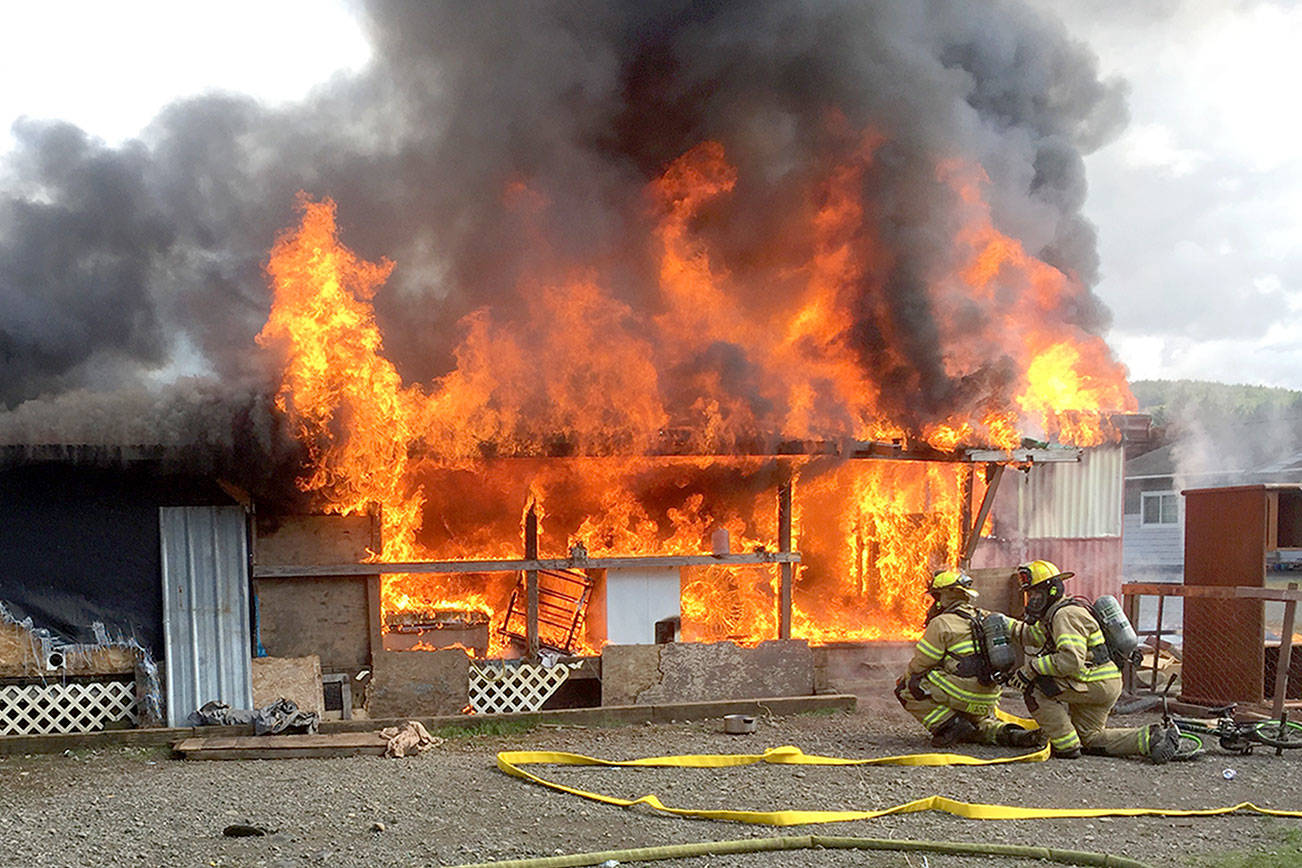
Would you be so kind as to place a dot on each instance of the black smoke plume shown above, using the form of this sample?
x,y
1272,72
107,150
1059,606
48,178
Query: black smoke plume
x,y
121,264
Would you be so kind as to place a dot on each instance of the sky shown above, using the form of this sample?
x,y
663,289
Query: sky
x,y
1197,204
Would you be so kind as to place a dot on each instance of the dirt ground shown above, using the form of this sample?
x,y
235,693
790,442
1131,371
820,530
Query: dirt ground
x,y
451,805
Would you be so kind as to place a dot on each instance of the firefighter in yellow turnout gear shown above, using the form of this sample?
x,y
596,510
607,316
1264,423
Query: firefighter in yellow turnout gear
x,y
1069,680
941,687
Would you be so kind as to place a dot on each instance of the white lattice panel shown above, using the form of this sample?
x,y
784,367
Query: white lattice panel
x,y
523,687
44,709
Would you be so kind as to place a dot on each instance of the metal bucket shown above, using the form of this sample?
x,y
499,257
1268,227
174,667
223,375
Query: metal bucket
x,y
738,724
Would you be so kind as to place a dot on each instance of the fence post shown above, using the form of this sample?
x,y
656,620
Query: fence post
x,y
1132,613
532,643
788,570
1285,654
1157,642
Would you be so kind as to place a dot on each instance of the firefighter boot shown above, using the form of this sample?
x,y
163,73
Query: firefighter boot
x,y
1013,735
952,731
1163,743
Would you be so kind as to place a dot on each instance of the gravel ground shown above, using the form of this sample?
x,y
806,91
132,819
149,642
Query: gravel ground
x,y
451,805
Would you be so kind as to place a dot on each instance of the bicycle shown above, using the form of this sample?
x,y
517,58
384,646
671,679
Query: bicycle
x,y
1232,735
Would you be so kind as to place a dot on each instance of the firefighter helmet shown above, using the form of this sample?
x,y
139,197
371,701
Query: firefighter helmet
x,y
1041,582
1039,571
951,580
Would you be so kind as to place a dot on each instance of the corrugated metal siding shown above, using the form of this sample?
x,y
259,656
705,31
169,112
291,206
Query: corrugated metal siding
x,y
205,608
1074,501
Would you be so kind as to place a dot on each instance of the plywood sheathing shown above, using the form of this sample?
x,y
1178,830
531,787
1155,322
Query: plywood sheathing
x,y
335,618
418,683
310,540
325,617
699,672
22,655
997,590
297,679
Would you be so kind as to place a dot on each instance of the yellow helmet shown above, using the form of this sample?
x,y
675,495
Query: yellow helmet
x,y
1042,585
1038,572
949,580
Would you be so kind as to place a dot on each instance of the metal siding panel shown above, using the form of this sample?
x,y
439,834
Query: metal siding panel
x,y
205,608
1083,500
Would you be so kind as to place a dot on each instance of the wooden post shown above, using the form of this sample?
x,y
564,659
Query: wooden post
x,y
1157,641
966,487
1132,614
788,570
374,585
531,583
375,629
1285,655
994,473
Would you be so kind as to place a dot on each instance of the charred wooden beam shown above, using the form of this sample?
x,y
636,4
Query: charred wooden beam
x,y
788,568
293,571
531,582
994,472
886,450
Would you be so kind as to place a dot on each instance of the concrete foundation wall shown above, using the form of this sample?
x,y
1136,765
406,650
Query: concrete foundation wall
x,y
861,668
700,672
419,683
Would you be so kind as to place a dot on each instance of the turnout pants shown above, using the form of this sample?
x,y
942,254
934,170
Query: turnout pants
x,y
932,713
1078,718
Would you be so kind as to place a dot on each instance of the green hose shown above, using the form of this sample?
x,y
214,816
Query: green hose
x,y
808,842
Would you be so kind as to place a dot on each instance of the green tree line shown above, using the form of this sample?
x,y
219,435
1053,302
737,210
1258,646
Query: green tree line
x,y
1169,399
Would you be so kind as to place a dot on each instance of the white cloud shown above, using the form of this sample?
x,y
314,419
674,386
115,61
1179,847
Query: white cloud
x,y
1146,146
1273,360
109,67
1197,203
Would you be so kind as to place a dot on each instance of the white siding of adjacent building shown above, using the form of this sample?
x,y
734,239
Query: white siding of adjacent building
x,y
1154,545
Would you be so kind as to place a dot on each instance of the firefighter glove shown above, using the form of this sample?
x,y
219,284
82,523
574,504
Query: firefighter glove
x,y
1021,680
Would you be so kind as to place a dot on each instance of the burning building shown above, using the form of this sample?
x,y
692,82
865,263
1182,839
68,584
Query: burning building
x,y
661,275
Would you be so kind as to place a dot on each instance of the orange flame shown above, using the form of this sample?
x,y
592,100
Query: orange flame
x,y
576,371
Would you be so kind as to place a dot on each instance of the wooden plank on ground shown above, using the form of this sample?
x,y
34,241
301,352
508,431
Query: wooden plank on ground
x,y
284,746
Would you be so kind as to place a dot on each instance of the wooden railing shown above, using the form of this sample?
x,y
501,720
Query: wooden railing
x,y
1289,596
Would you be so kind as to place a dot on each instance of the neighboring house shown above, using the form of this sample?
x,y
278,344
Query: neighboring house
x,y
1153,518
1153,521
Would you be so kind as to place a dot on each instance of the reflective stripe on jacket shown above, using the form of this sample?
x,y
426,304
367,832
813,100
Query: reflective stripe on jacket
x,y
1068,648
946,642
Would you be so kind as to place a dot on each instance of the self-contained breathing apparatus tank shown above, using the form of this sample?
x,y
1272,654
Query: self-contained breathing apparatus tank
x,y
1000,653
995,656
1118,634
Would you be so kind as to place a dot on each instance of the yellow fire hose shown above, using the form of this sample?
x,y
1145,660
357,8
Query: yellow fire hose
x,y
512,761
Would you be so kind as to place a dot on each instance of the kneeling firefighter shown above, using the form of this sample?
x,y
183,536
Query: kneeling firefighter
x,y
952,684
1070,679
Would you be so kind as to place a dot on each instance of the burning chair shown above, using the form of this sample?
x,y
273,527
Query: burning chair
x,y
563,597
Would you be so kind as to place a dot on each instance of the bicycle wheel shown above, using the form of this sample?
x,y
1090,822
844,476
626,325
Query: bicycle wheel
x,y
1190,747
1277,734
